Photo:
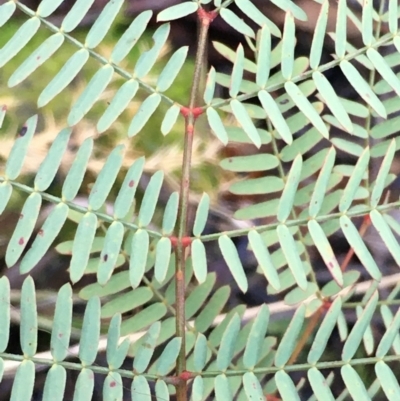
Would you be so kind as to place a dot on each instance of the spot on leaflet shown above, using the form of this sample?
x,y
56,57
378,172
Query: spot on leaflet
x,y
284,101
41,232
60,335
131,183
23,130
113,384
105,258
21,216
21,241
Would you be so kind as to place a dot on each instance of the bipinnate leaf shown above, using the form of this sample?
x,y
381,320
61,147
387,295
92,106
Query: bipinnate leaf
x,y
228,341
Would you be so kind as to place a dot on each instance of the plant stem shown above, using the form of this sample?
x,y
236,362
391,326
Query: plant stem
x,y
190,119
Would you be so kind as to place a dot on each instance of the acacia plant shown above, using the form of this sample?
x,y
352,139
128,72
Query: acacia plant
x,y
310,168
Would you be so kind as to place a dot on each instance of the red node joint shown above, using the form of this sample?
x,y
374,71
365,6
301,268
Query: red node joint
x,y
185,111
185,375
197,111
367,219
186,241
206,17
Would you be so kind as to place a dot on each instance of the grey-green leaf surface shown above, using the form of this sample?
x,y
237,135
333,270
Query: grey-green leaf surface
x,y
286,387
324,332
130,37
354,384
291,254
54,385
228,341
36,59
23,230
48,168
24,380
19,40
256,338
264,259
81,248
236,23
306,107
289,339
354,339
64,77
150,199
177,11
19,150
243,118
110,252
77,171
216,125
90,336
361,86
28,325
139,252
76,15
319,35
356,242
168,357
45,237
199,260
91,93
4,313
84,385
61,331
103,23
287,198
232,259
146,349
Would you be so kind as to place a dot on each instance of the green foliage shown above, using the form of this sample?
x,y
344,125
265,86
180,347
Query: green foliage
x,y
311,163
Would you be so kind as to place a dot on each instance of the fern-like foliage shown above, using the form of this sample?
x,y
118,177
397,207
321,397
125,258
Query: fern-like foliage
x,y
317,170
